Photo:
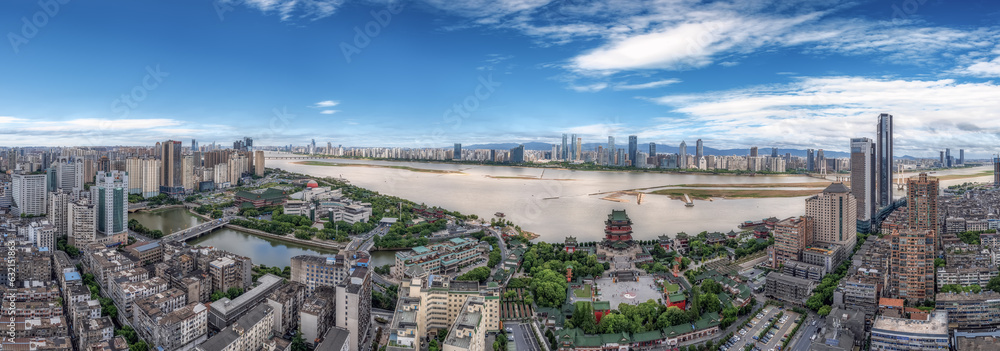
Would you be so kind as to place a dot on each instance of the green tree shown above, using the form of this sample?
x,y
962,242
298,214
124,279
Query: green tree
x,y
298,343
824,311
583,317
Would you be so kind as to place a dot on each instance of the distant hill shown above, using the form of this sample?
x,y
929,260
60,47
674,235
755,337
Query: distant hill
x,y
660,148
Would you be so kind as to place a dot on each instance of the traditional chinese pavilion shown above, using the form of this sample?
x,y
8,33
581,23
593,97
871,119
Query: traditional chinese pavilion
x,y
618,228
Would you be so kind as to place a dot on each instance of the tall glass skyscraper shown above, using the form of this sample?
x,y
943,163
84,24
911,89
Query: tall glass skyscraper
x,y
682,156
883,159
633,148
699,150
863,177
565,148
572,148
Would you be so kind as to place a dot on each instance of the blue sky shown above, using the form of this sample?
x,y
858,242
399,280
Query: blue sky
x,y
790,74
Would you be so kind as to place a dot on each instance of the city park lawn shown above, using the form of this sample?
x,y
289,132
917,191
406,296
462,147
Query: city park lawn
x,y
583,292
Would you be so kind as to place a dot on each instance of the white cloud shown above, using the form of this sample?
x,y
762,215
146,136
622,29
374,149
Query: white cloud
x,y
290,9
101,124
8,119
329,112
327,103
589,88
984,69
826,111
650,85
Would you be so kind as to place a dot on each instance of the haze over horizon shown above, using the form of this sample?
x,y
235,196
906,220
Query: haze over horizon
x,y
786,74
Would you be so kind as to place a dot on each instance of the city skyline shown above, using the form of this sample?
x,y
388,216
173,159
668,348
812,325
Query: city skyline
x,y
594,66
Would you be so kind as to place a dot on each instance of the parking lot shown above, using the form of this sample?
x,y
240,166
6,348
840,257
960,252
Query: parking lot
x,y
757,324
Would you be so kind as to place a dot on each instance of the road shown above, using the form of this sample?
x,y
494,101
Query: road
x,y
804,335
757,325
524,337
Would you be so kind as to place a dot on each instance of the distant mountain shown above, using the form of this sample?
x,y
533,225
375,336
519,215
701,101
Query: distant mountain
x,y
660,149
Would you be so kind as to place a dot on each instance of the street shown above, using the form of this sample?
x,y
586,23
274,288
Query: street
x,y
524,337
805,335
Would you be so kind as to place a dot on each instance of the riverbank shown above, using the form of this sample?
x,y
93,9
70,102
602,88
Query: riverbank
x,y
709,194
307,243
159,209
405,168
548,166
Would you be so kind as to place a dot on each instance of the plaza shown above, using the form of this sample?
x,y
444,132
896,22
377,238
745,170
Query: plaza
x,y
628,292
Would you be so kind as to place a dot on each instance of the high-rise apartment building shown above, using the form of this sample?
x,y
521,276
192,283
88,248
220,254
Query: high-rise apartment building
x,y
921,202
912,264
834,213
791,236
863,177
69,173
171,168
883,159
110,196
682,156
517,154
81,228
144,176
258,163
29,193
57,207
457,153
354,306
633,149
753,151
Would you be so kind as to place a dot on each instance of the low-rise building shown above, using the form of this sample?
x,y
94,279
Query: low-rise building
x,y
439,258
180,329
225,311
468,332
969,310
146,252
908,334
250,331
787,288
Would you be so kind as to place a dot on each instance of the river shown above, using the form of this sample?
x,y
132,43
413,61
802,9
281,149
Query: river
x,y
260,250
563,202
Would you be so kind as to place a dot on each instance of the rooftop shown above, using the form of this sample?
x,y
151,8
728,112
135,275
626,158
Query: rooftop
x,y
936,324
837,188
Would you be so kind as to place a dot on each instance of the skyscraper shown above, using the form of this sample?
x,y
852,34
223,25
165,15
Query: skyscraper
x,y
699,150
171,168
947,158
810,162
194,145
753,151
682,156
110,196
565,146
555,153
517,154
572,147
633,148
579,146
961,156
834,212
863,177
820,162
69,173
652,149
883,159
921,201
611,144
996,171
258,163
457,154
941,162
774,152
